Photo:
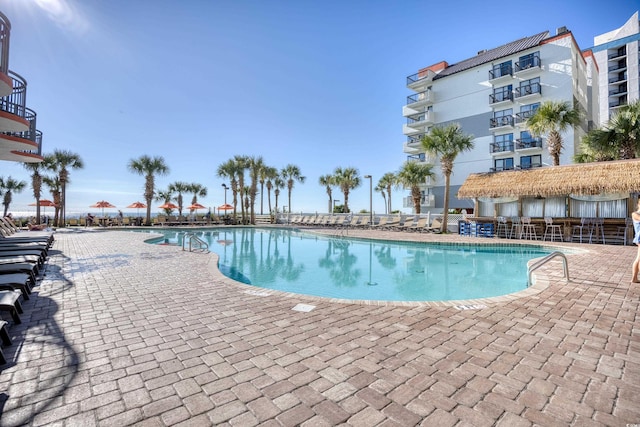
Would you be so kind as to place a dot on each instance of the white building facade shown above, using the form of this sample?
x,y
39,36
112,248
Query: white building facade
x,y
491,95
617,56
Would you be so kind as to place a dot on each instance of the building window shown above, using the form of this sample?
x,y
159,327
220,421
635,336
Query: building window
x,y
504,93
499,70
528,87
502,118
527,111
528,61
528,162
502,143
503,164
528,141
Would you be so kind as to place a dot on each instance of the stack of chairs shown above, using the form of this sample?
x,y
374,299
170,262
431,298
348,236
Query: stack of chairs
x,y
22,259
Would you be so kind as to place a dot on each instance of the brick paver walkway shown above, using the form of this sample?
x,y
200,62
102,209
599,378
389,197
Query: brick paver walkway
x,y
121,332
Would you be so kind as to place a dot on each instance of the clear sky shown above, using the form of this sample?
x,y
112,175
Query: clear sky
x,y
319,84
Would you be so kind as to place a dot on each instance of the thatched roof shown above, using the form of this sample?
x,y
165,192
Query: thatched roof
x,y
584,179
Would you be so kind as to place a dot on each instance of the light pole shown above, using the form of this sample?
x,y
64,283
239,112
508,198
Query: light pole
x,y
370,178
225,192
334,206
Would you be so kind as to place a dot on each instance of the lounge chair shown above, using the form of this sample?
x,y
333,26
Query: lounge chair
x,y
17,282
24,267
418,225
365,222
10,301
435,227
381,223
392,223
6,339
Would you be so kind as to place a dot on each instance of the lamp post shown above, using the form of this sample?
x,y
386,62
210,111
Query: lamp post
x,y
225,192
370,178
334,206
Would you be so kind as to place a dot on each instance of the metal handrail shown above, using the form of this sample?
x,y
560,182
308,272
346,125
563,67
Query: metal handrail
x,y
191,238
546,259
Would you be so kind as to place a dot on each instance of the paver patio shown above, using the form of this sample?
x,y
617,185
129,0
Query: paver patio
x,y
121,332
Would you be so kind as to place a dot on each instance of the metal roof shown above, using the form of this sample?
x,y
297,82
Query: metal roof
x,y
493,54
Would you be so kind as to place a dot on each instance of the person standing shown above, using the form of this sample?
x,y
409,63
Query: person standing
x,y
635,216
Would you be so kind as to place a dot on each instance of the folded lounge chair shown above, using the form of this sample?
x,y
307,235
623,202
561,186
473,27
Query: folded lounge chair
x,y
9,301
16,282
6,339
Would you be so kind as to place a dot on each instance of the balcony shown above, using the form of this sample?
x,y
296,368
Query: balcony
x,y
528,143
621,102
14,116
413,144
617,54
5,80
420,99
500,98
428,201
530,165
501,168
618,91
528,66
618,68
419,121
500,122
523,116
501,147
420,80
618,79
22,146
533,90
500,74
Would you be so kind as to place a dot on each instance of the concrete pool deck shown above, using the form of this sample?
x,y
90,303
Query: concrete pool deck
x,y
120,332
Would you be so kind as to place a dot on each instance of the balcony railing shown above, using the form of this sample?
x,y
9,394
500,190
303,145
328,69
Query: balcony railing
x,y
5,30
529,63
523,116
425,201
501,168
501,147
524,143
425,96
530,165
618,79
15,102
500,97
415,139
619,103
618,54
526,90
417,77
498,72
618,67
501,121
419,119
618,91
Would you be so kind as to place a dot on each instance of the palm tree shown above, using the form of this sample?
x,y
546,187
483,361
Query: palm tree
x,y
388,181
230,170
256,165
178,188
197,190
242,162
290,174
8,186
597,146
382,190
36,183
270,173
165,197
149,167
553,118
328,182
447,142
278,183
53,183
412,175
347,179
63,161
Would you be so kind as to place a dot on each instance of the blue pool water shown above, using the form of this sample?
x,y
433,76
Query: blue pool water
x,y
294,261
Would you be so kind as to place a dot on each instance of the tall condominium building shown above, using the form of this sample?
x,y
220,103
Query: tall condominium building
x,y
491,96
617,56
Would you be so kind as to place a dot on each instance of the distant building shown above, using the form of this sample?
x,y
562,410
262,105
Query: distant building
x,y
20,141
491,95
616,54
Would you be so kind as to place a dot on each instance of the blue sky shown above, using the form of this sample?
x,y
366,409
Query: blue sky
x,y
319,84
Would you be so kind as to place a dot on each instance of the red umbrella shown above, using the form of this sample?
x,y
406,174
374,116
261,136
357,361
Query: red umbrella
x,y
168,205
138,206
195,207
102,204
226,207
44,203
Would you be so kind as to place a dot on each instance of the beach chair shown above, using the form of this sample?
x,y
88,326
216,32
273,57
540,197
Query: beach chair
x,y
418,225
10,301
435,227
381,223
6,339
365,222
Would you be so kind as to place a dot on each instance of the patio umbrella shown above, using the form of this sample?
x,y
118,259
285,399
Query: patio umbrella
x,y
102,204
138,206
226,207
195,207
43,203
168,205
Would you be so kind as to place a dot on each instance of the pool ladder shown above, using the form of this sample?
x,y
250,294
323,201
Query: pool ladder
x,y
194,243
545,260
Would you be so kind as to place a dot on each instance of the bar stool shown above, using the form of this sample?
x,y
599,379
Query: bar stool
x,y
528,229
579,230
515,226
502,226
552,230
597,227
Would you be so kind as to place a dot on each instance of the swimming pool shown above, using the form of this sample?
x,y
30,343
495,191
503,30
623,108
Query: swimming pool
x,y
357,269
